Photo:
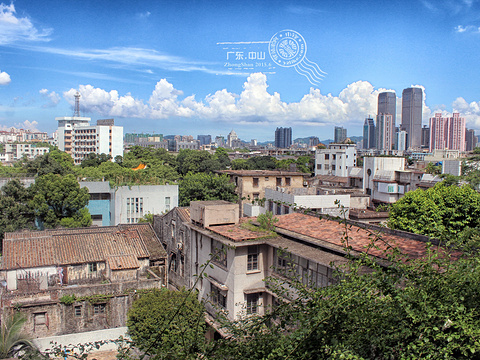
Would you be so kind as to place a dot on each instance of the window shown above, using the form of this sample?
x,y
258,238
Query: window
x,y
333,156
167,203
218,296
256,196
252,258
99,308
333,167
173,262
252,304
327,156
172,227
327,167
266,178
97,217
319,166
40,318
219,253
78,311
92,267
255,182
288,181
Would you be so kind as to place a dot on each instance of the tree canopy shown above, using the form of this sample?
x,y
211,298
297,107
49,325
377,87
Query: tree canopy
x,y
167,324
59,200
442,211
203,186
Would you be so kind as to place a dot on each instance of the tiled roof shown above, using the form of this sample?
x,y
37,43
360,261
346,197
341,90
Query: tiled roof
x,y
236,232
262,172
122,262
27,249
184,213
359,239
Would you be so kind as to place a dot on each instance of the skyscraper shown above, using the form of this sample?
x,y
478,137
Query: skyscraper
x,y
447,132
470,140
387,104
412,108
385,131
204,139
340,134
369,133
283,137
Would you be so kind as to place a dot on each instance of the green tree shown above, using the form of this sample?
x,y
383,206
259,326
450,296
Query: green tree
x,y
442,211
13,342
433,169
15,212
262,163
53,162
222,157
203,186
60,200
240,164
167,324
196,161
95,160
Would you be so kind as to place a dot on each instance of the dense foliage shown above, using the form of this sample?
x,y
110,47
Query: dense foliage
x,y
167,324
204,186
443,211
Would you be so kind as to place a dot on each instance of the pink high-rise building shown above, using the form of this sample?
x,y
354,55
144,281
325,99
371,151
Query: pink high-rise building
x,y
447,132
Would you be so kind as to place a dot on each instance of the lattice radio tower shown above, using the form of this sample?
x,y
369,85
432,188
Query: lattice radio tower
x,y
77,105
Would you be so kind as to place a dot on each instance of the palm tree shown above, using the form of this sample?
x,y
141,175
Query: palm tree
x,y
12,341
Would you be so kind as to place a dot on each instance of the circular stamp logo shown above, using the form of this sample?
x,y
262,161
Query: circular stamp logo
x,y
287,48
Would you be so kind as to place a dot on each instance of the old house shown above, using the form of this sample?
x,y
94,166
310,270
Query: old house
x,y
227,259
251,184
76,280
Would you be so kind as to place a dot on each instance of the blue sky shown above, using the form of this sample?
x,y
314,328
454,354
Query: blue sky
x,y
157,66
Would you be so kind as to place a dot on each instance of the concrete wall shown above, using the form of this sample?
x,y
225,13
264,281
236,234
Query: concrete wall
x,y
154,200
61,318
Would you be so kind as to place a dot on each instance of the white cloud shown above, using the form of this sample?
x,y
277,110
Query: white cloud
x,y
467,29
52,98
143,15
28,125
4,78
471,111
253,105
133,57
15,29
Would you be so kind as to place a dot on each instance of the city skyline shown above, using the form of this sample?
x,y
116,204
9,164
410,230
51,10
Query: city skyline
x,y
161,67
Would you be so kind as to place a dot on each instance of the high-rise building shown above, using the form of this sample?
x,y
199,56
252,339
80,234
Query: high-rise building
x,y
387,104
204,139
369,133
412,108
385,131
78,138
313,141
425,136
283,137
340,134
447,133
401,140
470,140
231,137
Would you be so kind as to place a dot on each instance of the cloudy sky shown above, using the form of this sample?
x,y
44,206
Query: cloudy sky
x,y
207,67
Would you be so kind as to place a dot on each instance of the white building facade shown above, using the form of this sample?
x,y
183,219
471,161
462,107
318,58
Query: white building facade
x,y
336,159
78,138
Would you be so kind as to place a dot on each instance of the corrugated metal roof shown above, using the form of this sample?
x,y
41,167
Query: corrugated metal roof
x,y
27,249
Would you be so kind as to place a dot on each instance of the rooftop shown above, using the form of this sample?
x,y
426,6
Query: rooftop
x,y
262,173
122,243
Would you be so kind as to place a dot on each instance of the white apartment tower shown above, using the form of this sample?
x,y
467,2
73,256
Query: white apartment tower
x,y
78,138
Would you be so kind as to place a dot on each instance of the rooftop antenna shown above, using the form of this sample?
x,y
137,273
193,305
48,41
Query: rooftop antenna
x,y
77,105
